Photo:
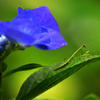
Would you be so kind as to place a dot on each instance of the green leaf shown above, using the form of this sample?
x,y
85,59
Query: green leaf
x,y
48,77
23,68
91,97
42,99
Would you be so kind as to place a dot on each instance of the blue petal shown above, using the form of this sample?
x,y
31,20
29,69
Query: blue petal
x,y
20,10
34,27
45,17
44,34
49,40
0,34
7,22
26,22
43,29
23,29
14,35
56,41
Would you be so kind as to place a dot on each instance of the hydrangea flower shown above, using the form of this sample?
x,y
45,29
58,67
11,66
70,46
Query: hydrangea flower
x,y
34,27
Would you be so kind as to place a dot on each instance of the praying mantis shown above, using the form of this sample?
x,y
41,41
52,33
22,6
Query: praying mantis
x,y
68,61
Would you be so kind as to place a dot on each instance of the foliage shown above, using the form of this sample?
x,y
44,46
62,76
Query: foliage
x,y
91,97
48,77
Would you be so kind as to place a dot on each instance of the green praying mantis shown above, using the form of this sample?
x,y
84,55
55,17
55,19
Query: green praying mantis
x,y
68,61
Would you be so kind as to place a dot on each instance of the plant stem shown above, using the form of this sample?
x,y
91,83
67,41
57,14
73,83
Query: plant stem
x,y
70,58
5,55
7,52
0,80
2,57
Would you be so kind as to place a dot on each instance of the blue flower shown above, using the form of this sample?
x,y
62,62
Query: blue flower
x,y
34,27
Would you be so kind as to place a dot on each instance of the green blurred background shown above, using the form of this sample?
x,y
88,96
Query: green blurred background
x,y
79,22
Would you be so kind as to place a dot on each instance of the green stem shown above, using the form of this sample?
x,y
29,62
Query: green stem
x,y
0,81
2,57
7,52
0,86
5,55
71,57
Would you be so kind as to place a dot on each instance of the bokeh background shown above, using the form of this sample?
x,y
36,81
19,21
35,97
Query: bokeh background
x,y
79,22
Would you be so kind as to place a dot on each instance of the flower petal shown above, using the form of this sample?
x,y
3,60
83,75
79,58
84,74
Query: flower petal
x,y
20,10
52,40
14,35
22,29
45,17
26,22
34,27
